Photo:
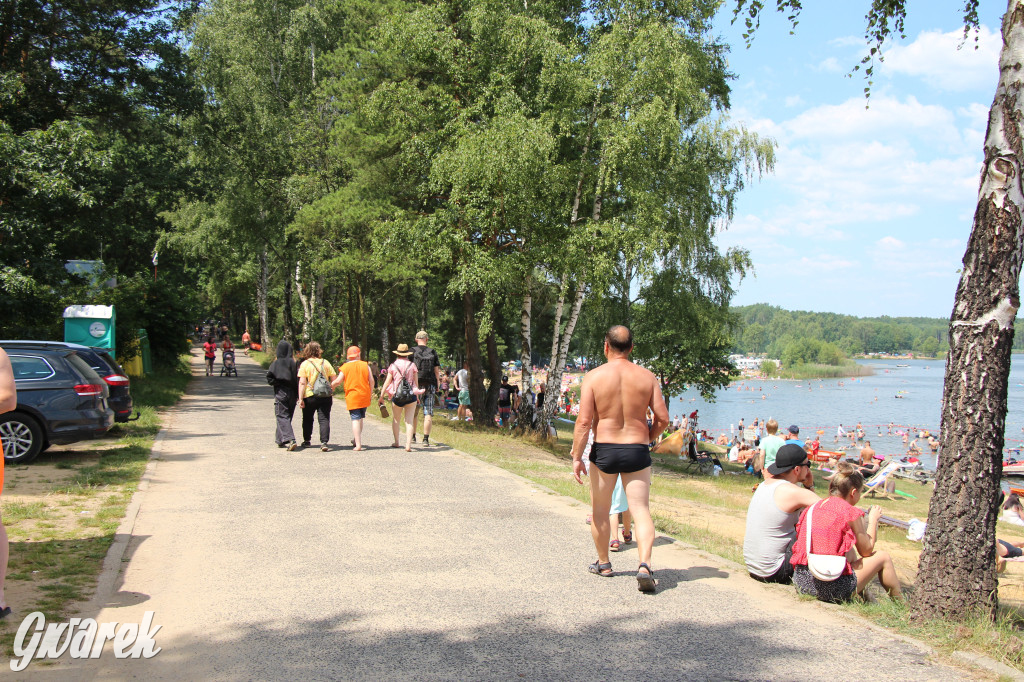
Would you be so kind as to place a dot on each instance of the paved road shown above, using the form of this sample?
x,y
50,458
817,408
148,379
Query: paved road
x,y
265,564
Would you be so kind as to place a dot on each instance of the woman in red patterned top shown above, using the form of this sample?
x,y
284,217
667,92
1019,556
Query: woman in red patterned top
x,y
839,529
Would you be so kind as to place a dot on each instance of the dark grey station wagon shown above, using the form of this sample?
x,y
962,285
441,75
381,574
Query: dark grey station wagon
x,y
61,400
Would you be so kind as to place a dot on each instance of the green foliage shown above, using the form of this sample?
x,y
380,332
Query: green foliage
x,y
682,333
774,330
144,303
769,368
89,146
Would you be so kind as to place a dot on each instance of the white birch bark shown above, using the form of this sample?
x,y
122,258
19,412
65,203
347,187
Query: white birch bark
x,y
261,297
956,577
307,312
526,351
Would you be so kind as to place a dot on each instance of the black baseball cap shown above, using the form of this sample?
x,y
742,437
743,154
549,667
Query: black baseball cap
x,y
794,429
788,456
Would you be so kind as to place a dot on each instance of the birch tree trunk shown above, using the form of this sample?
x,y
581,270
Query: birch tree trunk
x,y
560,349
261,297
307,311
525,336
289,322
957,575
552,399
556,334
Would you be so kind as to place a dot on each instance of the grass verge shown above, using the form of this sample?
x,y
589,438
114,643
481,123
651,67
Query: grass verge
x,y
63,510
710,514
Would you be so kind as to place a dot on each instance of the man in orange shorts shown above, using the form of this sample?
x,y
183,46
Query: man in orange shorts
x,y
8,401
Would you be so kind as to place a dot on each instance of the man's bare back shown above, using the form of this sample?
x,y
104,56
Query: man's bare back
x,y
867,454
615,398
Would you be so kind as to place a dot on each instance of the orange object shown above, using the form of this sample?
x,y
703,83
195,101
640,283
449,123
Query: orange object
x,y
825,455
357,384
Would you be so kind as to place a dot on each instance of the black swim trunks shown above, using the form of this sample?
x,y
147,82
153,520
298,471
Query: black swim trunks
x,y
1012,552
619,458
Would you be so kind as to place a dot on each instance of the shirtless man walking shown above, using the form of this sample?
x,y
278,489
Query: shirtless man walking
x,y
614,401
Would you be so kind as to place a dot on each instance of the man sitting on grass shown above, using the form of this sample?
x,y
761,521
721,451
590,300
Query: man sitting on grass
x,y
772,515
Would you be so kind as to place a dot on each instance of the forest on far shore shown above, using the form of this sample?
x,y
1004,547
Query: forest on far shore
x,y
793,334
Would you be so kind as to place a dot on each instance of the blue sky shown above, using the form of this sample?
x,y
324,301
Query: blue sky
x,y
868,210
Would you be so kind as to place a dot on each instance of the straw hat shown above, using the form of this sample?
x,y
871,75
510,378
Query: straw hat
x,y
403,350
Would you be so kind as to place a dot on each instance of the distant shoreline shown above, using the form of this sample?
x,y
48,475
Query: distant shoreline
x,y
847,370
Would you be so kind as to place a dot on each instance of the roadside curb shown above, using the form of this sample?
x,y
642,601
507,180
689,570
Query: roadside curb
x,y
110,573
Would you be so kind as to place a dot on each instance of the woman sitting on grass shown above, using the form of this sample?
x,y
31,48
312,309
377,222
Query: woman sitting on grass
x,y
839,529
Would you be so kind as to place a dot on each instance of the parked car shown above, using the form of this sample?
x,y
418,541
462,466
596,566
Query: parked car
x,y
103,363
61,400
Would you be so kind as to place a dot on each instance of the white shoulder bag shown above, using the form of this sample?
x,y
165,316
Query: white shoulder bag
x,y
826,567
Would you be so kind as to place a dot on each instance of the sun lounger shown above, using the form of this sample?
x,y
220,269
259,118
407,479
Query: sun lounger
x,y
876,485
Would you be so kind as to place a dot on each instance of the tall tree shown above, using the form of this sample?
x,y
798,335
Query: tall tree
x,y
956,577
653,166
90,98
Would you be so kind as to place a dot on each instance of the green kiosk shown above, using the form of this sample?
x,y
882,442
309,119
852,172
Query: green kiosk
x,y
90,325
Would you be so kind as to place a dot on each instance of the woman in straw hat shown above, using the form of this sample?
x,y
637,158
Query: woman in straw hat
x,y
403,401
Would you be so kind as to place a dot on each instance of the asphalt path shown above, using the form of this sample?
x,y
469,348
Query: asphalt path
x,y
265,564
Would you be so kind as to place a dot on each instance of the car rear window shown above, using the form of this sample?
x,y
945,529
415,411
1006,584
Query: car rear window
x,y
94,360
111,363
29,367
81,365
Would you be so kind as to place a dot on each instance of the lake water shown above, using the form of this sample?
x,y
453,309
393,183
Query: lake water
x,y
824,404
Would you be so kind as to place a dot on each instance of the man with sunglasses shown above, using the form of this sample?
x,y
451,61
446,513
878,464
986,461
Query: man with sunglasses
x,y
772,515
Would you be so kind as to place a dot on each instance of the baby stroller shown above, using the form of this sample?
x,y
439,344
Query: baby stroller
x,y
227,367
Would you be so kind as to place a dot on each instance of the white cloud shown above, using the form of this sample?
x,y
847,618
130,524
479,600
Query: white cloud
x,y
887,117
794,101
847,41
890,243
938,59
830,65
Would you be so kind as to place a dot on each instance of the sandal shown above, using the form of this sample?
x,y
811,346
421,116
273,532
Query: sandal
x,y
603,570
645,581
614,545
627,537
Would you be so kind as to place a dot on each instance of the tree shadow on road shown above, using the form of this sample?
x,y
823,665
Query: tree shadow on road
x,y
346,646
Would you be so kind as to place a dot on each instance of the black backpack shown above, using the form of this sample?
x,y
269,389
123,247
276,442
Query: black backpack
x,y
403,391
425,360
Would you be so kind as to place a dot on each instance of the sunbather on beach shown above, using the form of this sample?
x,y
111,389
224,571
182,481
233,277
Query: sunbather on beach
x,y
1007,550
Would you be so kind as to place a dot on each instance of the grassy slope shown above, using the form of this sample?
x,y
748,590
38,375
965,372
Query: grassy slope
x,y
710,512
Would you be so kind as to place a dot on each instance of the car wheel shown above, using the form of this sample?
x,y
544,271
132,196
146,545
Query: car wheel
x,y
22,438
